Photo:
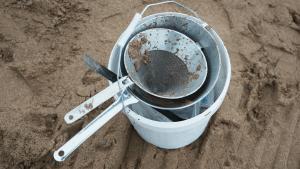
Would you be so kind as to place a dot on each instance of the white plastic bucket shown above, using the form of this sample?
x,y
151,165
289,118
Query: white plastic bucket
x,y
172,135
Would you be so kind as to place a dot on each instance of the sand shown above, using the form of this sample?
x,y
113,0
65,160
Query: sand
x,y
43,76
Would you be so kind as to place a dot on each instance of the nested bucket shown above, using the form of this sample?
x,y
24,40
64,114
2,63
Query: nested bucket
x,y
162,132
149,116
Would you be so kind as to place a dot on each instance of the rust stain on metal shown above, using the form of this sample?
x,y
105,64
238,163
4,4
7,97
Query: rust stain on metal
x,y
88,106
135,53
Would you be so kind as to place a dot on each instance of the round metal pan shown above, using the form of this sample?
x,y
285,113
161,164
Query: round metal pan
x,y
165,63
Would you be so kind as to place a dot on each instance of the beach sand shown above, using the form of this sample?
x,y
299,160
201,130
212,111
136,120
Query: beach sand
x,y
43,76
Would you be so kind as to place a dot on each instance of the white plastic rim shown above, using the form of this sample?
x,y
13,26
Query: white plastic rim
x,y
172,135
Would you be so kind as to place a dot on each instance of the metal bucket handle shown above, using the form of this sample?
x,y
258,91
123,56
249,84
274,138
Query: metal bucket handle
x,y
167,2
204,24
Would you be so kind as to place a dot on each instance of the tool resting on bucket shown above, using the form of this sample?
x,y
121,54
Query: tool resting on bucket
x,y
194,61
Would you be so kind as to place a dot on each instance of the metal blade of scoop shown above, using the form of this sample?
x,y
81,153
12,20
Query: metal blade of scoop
x,y
95,66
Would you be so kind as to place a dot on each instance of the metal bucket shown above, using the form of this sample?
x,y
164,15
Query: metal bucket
x,y
171,135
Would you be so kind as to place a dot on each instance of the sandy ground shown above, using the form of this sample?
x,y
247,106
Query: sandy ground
x,y
42,76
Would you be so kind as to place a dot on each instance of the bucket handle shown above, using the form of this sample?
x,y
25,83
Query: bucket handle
x,y
167,2
64,151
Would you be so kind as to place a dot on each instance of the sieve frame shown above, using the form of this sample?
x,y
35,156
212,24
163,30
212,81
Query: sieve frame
x,y
185,49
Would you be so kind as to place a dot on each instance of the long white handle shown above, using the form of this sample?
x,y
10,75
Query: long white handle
x,y
63,152
97,100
